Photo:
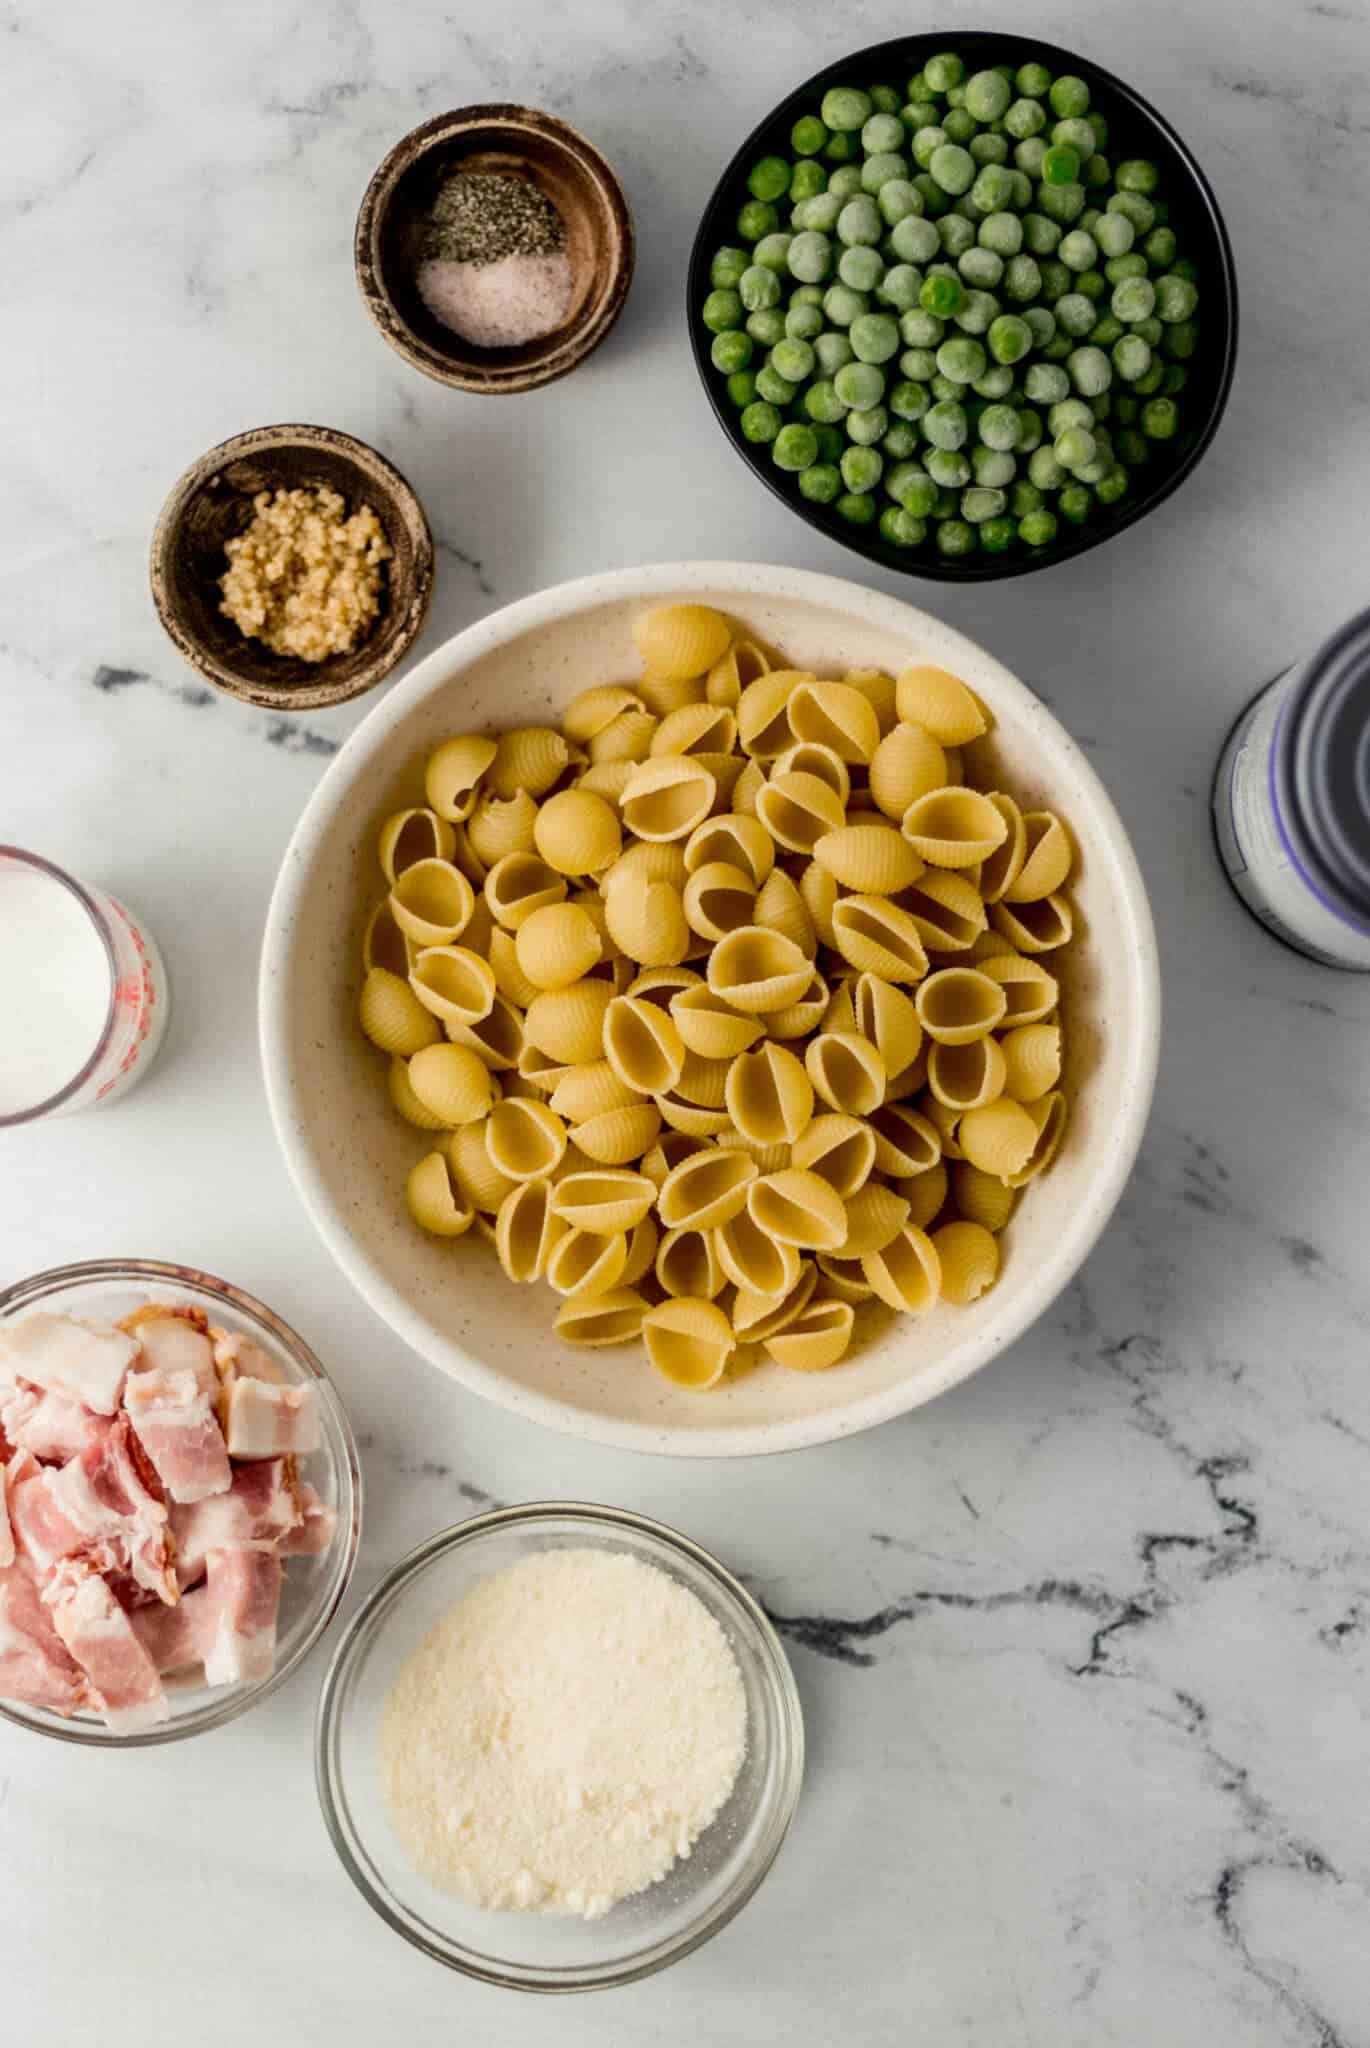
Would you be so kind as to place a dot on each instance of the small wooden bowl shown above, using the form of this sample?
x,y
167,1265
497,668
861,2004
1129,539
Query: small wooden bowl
x,y
213,502
574,176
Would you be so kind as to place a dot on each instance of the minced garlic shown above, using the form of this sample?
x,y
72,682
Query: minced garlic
x,y
305,577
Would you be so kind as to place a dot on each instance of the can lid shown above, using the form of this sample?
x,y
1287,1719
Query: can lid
x,y
1325,770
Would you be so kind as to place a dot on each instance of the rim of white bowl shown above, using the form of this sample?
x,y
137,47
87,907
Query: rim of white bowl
x,y
740,580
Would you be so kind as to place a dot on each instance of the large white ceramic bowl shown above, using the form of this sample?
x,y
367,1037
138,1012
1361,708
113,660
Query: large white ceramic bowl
x,y
349,1153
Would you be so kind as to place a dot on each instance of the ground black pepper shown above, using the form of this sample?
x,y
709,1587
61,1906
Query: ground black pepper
x,y
483,216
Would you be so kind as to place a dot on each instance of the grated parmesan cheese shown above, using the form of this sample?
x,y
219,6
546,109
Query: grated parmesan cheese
x,y
563,1735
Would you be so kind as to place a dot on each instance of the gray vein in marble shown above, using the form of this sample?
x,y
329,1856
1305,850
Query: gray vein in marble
x,y
278,729
467,561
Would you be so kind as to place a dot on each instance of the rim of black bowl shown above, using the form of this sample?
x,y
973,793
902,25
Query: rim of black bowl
x,y
1193,207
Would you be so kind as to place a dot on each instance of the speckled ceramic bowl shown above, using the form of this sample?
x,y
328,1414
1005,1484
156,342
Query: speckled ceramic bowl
x,y
350,1154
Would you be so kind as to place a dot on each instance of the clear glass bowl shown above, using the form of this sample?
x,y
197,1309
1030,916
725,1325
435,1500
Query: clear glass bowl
x,y
313,1586
535,1951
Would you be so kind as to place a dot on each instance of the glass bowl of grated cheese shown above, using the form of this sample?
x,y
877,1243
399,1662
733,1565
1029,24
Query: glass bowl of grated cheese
x,y
427,1774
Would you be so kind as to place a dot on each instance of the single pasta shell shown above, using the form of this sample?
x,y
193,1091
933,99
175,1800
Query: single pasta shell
x,y
874,1216
480,1179
602,1319
410,836
907,764
664,694
436,1202
847,1071
876,936
691,1118
940,703
747,788
740,842
709,1027
758,971
581,1263
706,1189
811,757
384,944
527,757
667,798
957,1004
769,1095
718,899
510,979
798,810
526,1230
953,827
626,738
906,1273
603,1199
946,910
501,825
1049,1122
453,774
763,726
999,1139
452,1082
703,1081
393,1017
878,687
819,1335
1036,927
686,1263
688,1341
557,945
407,1102
681,639
647,921
733,671
1031,992
655,860
590,1090
798,1208
758,1316
906,1141
642,1045
926,1195
843,1279
875,860
840,1149
608,779
643,1239
465,857
980,1198
837,716
1046,859
616,1136
577,833
781,907
947,1122
591,710
767,1158
840,1014
818,893
696,729
888,1019
668,1151
797,1020
1001,868
432,902
568,1023
524,1139
969,1259
967,1076
520,884
1032,1056
753,1261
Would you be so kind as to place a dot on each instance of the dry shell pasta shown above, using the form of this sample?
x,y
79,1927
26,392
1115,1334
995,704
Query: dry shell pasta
x,y
719,1006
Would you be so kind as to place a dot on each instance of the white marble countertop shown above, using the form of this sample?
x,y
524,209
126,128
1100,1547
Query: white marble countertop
x,y
1084,1647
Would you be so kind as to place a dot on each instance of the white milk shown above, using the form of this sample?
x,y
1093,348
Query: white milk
x,y
54,987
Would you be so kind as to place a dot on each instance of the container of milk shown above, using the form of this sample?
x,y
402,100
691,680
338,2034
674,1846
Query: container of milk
x,y
85,992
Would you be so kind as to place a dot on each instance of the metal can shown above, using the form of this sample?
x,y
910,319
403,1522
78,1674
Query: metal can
x,y
1291,803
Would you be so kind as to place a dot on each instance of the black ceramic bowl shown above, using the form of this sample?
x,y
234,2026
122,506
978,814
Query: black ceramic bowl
x,y
1135,129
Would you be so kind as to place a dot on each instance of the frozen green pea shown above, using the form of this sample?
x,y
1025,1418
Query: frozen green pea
x,y
915,240
1074,133
1010,338
1057,349
1064,203
1024,498
1133,299
858,508
1069,96
859,222
998,535
761,422
722,310
1075,448
846,109
945,505
897,199
988,148
899,287
1119,267
727,267
886,169
1095,172
956,537
1022,278
1028,155
807,180
1137,174
821,483
831,440
757,218
831,351
882,134
918,112
1089,220
775,389
842,305
996,382
917,493
919,328
935,200
874,337
860,267
916,365
1060,164
999,428
808,135
988,95
1114,234
803,322
899,440
992,191
769,178
1038,529
993,467
868,428
1181,339
818,214
1023,118
899,527
1134,206
948,468
884,98
925,145
809,256
794,447
1150,331
794,360
741,388
1001,233
1044,470
1078,250
859,385
1112,485
953,168
961,359
943,71
1041,236
956,234
772,251
1020,198
943,388
1151,380
941,295
822,403
945,424
1029,430
980,502
1067,413
840,149
1090,371
1041,322
1159,248
1132,448
845,184
1176,298
1075,503
766,326
758,288
1106,331
861,468
1175,379
1074,313
977,312
731,351
958,125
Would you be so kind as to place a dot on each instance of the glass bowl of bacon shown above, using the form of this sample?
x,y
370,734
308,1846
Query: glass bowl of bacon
x,y
180,1502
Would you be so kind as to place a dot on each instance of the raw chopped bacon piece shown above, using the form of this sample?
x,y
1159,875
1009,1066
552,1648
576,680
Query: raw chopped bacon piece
x,y
260,1507
244,1593
44,1532
312,1536
176,1426
105,1496
51,1423
238,1357
100,1638
87,1359
175,1637
265,1420
34,1663
6,1532
174,1340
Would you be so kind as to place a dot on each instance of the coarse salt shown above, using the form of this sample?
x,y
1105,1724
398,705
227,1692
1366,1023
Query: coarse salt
x,y
563,1735
498,305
